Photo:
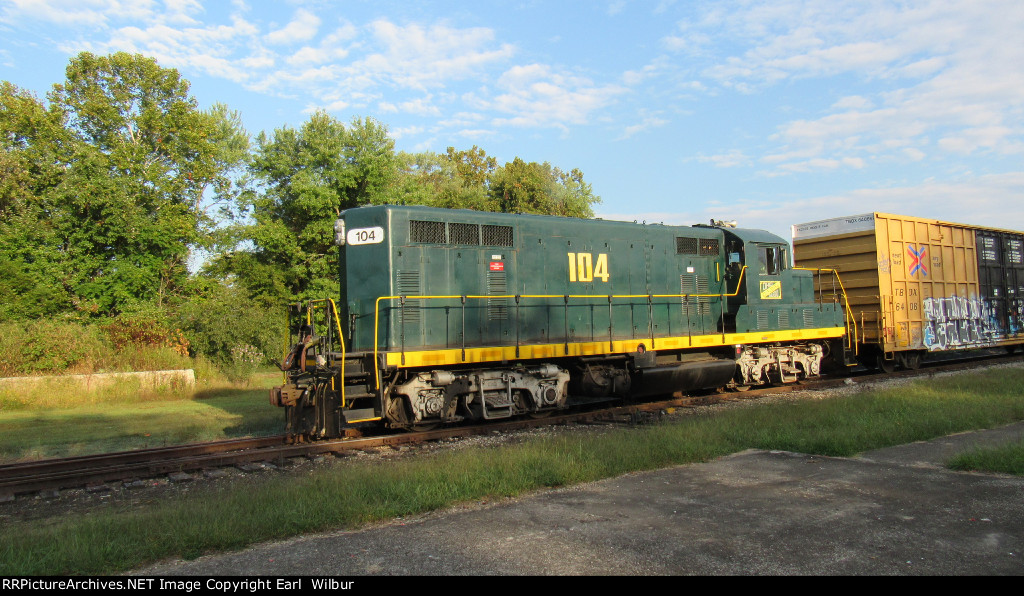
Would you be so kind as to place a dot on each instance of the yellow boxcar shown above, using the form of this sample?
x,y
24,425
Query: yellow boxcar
x,y
918,285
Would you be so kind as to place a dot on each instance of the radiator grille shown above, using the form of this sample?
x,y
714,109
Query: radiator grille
x,y
686,246
426,231
708,247
497,235
461,233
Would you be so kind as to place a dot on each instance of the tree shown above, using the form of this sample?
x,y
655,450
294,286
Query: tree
x,y
134,185
33,151
102,190
473,166
305,179
520,187
435,180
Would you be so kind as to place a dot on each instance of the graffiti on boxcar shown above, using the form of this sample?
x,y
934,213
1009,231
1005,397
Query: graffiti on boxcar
x,y
883,265
957,322
1016,316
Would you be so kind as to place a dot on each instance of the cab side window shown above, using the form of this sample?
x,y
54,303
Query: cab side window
x,y
771,259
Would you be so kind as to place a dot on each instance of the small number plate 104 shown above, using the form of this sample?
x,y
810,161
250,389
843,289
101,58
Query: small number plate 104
x,y
358,236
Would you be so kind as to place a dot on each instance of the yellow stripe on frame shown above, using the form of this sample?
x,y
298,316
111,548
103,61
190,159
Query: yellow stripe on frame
x,y
425,358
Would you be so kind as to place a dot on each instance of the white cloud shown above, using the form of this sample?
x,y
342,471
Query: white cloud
x,y
419,57
406,131
423,69
727,160
935,76
475,133
303,27
647,122
420,106
79,13
853,102
537,95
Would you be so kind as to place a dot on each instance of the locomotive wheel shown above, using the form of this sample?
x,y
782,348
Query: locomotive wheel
x,y
541,414
886,366
398,413
422,428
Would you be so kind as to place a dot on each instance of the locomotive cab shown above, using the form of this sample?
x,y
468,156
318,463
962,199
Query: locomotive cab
x,y
771,300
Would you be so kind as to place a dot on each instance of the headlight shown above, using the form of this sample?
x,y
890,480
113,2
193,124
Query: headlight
x,y
339,232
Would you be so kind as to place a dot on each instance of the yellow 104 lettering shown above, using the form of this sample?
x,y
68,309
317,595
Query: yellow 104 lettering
x,y
583,267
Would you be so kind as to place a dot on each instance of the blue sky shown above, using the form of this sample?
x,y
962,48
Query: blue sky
x,y
769,113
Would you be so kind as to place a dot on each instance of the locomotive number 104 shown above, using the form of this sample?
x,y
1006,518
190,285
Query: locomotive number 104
x,y
583,267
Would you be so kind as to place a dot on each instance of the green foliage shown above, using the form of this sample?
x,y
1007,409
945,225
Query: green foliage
x,y
217,317
521,187
437,181
473,166
33,148
102,192
131,199
131,331
307,177
245,359
45,346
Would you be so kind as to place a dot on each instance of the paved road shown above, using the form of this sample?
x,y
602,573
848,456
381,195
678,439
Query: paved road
x,y
891,511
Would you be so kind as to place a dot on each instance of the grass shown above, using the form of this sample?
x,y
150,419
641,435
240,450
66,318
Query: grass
x,y
105,423
1006,459
353,492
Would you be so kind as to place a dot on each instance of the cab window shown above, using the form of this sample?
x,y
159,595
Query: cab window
x,y
771,259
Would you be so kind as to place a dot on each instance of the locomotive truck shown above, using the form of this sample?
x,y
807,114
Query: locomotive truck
x,y
453,315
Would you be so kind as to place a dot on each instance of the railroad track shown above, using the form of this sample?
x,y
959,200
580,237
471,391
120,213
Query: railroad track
x,y
83,471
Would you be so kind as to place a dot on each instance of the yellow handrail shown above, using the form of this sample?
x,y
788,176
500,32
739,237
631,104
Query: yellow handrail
x,y
310,306
850,321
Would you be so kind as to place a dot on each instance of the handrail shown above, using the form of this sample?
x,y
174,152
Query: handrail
x,y
850,320
609,297
312,305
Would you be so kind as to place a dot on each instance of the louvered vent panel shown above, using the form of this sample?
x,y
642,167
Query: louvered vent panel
x,y
694,284
497,308
409,285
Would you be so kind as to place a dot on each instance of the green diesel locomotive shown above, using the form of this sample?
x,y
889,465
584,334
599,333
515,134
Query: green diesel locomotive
x,y
452,315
